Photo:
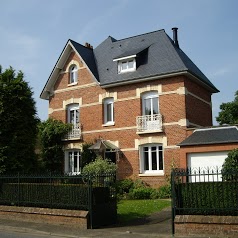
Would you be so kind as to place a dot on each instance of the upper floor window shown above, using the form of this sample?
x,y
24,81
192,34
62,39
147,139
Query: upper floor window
x,y
127,65
109,111
73,74
73,114
150,105
151,159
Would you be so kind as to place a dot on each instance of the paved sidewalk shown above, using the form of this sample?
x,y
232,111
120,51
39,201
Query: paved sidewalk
x,y
156,225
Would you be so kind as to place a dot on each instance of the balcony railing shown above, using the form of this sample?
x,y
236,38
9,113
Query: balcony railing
x,y
74,133
149,123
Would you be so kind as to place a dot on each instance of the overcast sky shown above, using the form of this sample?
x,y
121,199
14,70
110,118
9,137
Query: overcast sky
x,y
33,33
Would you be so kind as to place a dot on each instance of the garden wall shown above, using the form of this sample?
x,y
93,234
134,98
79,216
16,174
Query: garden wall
x,y
78,219
206,226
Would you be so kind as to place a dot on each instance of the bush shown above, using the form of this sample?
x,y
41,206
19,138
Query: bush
x,y
164,191
99,166
230,166
124,186
141,193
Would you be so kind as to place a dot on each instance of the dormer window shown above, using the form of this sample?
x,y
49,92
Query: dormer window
x,y
126,65
73,74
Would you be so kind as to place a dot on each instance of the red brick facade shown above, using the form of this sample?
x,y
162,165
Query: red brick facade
x,y
182,103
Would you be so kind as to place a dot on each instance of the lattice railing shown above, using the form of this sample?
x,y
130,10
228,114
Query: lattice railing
x,y
74,133
149,123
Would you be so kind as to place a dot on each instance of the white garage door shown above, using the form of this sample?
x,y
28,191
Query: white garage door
x,y
206,161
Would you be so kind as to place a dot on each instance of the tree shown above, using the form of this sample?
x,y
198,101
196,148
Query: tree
x,y
230,166
18,123
229,112
51,133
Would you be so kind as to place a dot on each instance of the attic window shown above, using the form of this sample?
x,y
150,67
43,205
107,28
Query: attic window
x,y
126,64
73,74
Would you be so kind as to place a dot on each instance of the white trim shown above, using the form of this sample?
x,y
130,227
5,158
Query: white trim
x,y
123,58
110,102
216,128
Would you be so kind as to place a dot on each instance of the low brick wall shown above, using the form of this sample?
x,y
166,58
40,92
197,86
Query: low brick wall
x,y
204,226
78,219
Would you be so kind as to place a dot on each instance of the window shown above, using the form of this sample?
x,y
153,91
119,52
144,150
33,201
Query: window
x,y
73,162
150,104
127,65
109,111
151,159
73,114
73,74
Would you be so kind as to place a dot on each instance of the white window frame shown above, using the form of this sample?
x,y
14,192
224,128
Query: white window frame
x,y
159,152
69,166
73,74
108,120
126,63
75,109
150,96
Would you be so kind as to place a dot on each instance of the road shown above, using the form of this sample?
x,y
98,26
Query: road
x,y
8,234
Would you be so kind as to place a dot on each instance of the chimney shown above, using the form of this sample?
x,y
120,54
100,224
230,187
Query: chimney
x,y
88,45
175,36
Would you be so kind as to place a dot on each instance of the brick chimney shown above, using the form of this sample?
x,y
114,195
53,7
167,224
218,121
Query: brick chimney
x,y
88,45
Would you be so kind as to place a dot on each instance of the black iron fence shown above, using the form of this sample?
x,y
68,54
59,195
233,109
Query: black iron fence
x,y
204,191
96,194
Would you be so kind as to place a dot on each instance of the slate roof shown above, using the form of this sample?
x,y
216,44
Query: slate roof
x,y
156,55
88,57
217,135
163,57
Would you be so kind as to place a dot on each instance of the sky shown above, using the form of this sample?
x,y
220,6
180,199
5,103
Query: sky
x,y
33,34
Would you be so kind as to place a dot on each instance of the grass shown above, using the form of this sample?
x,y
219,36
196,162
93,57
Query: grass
x,y
128,210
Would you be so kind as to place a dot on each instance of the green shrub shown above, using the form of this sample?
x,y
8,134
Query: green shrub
x,y
164,191
141,193
124,186
99,166
230,166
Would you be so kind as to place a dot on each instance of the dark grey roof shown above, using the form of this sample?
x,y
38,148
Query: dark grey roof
x,y
163,57
88,57
218,135
131,52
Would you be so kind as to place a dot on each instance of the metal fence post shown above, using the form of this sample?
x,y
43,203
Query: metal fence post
x,y
173,194
18,188
90,200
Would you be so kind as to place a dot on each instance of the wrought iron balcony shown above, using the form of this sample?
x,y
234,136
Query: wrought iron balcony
x,y
149,123
74,133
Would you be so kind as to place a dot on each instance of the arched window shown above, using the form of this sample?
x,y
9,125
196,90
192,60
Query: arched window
x,y
73,74
73,114
150,103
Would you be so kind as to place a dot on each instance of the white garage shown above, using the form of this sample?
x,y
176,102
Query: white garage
x,y
205,160
206,149
204,166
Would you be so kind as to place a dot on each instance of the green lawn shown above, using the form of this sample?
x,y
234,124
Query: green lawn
x,y
128,210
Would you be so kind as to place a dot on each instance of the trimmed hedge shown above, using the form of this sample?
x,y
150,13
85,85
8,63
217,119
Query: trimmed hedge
x,y
207,198
66,196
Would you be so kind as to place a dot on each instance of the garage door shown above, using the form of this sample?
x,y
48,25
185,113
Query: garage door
x,y
205,161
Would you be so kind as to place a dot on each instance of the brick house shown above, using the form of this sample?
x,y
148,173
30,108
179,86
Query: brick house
x,y
134,98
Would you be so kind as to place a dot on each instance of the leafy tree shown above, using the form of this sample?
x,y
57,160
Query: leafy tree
x,y
230,166
87,155
51,133
229,112
18,123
